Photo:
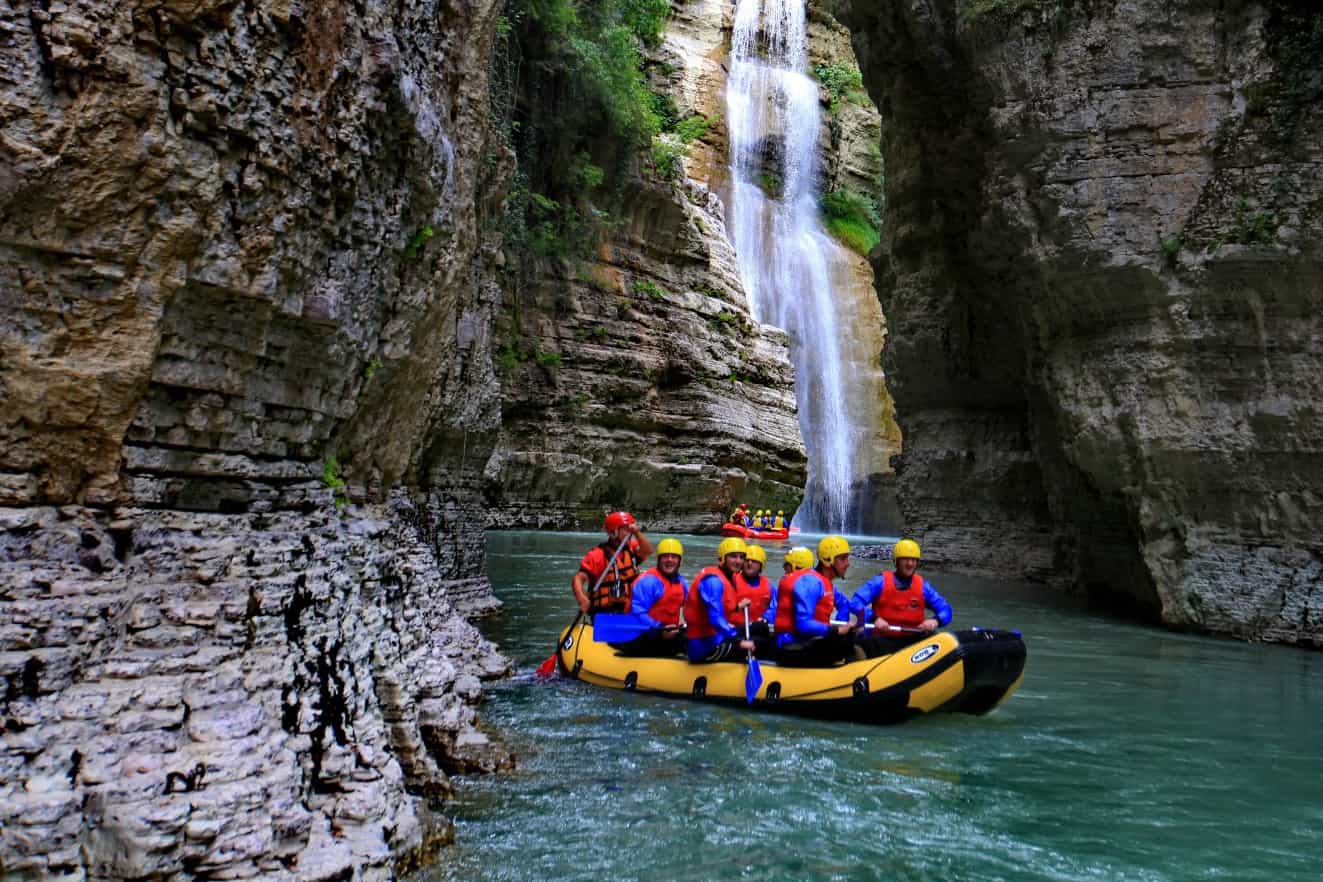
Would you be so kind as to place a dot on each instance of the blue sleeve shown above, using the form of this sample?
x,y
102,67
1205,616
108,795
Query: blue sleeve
x,y
807,592
938,603
770,616
713,593
844,605
866,596
647,591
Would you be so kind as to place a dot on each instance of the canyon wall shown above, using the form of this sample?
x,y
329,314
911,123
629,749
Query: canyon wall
x,y
1101,274
635,377
246,396
638,377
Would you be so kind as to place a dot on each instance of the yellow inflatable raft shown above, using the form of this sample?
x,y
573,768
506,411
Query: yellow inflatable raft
x,y
966,671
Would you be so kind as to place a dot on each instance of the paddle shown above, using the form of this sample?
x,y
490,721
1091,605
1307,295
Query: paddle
x,y
754,679
895,629
548,667
617,627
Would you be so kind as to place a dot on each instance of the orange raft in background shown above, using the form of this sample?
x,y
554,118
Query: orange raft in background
x,y
743,532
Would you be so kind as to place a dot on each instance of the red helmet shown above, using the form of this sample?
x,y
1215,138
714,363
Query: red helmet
x,y
617,519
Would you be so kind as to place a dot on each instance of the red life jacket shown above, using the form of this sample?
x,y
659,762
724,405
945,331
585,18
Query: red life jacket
x,y
667,608
899,605
613,592
785,601
696,620
759,596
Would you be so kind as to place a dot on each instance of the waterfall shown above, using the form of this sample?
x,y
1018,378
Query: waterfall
x,y
786,257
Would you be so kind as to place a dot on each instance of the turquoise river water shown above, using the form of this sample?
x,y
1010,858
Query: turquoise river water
x,y
1129,753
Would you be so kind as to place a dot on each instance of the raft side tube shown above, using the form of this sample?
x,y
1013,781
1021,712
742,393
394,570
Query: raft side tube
x,y
966,671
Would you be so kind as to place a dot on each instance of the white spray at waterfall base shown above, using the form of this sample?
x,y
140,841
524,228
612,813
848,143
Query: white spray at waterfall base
x,y
785,255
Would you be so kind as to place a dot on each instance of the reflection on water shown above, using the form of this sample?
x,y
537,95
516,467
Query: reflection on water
x,y
1128,754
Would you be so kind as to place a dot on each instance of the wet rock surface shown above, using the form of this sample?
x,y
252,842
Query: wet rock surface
x,y
244,286
1101,276
266,695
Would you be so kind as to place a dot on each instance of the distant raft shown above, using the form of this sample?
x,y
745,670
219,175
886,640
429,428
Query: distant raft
x,y
744,532
966,671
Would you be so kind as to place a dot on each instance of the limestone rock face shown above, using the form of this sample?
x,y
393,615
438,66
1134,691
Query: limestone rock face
x,y
265,694
1101,274
651,387
638,379
238,240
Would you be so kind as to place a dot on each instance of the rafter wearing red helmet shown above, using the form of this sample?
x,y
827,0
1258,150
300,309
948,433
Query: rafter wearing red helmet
x,y
603,584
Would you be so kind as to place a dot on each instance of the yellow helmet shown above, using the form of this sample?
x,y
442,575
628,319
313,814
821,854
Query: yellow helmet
x,y
780,511
832,547
670,546
755,552
905,548
799,557
758,512
731,545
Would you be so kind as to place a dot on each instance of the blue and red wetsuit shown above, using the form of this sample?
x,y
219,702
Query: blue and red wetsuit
x,y
900,601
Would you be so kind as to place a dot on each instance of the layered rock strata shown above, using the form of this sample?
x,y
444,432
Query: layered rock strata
x,y
651,388
194,694
245,301
639,378
1102,278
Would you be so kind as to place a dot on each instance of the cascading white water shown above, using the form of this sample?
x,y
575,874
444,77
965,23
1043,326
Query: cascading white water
x,y
773,113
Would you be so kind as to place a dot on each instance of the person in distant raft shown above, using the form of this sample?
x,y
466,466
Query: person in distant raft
x,y
753,586
901,598
780,522
613,588
656,601
712,638
805,604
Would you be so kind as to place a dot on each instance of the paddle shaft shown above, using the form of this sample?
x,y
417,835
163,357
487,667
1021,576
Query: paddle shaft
x,y
611,562
895,629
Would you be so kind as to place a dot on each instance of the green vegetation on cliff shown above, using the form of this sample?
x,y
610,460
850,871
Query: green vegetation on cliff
x,y
570,90
843,82
853,218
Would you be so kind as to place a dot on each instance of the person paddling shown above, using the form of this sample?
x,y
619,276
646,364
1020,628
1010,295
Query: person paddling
x,y
805,605
753,586
613,591
655,602
899,598
712,638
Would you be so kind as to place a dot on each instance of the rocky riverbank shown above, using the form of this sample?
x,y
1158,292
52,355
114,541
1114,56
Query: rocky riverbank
x,y
271,695
246,399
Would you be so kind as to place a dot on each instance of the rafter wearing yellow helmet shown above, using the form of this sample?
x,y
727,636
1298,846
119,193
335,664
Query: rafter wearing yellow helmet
x,y
808,605
712,636
656,601
900,599
754,588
